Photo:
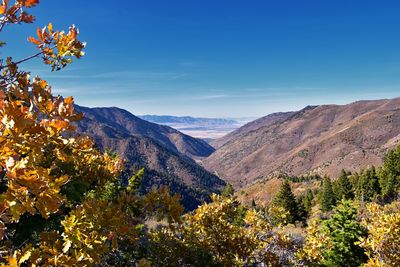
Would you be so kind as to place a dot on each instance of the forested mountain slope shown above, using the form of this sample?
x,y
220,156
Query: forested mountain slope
x,y
164,164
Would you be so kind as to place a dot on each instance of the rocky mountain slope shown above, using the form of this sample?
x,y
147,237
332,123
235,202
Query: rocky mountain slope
x,y
320,139
161,150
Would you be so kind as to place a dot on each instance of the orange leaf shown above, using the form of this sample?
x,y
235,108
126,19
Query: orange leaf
x,y
69,100
59,125
40,34
43,84
3,9
30,3
34,41
25,17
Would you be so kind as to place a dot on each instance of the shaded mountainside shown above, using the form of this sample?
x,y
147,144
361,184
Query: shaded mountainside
x,y
126,122
163,163
323,139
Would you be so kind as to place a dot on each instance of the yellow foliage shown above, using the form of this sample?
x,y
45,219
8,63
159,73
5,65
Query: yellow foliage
x,y
383,241
315,244
216,229
278,215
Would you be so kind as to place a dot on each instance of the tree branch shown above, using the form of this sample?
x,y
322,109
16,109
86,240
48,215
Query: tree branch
x,y
23,60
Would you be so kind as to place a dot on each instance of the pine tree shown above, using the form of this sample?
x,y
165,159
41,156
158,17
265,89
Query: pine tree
x,y
302,212
389,176
368,185
345,189
327,198
344,231
308,200
286,199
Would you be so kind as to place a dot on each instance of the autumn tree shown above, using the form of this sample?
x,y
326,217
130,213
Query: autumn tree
x,y
61,200
33,147
210,236
383,241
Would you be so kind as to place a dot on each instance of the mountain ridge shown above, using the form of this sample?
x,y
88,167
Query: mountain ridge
x,y
317,139
168,136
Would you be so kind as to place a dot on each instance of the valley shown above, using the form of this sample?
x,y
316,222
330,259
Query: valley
x,y
317,140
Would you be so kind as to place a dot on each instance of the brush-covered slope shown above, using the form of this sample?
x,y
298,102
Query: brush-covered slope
x,y
251,126
164,165
322,139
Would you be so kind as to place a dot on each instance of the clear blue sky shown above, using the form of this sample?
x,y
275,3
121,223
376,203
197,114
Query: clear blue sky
x,y
218,58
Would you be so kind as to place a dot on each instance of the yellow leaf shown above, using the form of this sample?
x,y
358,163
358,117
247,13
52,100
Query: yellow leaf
x,y
25,257
67,245
50,27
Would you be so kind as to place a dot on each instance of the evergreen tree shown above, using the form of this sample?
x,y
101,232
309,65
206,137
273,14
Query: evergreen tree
x,y
345,188
308,200
327,198
302,212
389,176
368,185
354,179
336,190
286,199
344,231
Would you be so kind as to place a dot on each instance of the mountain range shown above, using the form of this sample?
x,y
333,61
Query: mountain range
x,y
320,140
164,152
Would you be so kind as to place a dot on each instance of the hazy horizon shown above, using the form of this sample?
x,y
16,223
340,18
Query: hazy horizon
x,y
246,118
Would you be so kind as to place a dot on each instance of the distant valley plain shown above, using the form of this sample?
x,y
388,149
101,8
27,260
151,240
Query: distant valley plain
x,y
205,128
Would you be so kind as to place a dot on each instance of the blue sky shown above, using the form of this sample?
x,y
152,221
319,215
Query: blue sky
x,y
214,58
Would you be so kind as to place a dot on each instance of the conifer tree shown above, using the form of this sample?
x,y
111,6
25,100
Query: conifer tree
x,y
308,200
345,188
328,198
368,185
286,199
389,176
302,212
344,231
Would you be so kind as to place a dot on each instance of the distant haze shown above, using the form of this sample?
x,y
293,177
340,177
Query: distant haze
x,y
205,128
